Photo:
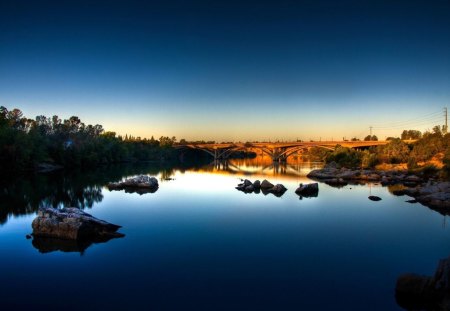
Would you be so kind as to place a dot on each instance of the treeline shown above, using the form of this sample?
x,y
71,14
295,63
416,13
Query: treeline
x,y
25,143
431,145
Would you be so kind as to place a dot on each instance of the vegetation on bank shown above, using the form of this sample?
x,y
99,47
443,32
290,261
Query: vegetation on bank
x,y
25,143
429,152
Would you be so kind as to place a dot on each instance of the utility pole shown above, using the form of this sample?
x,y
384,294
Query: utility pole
x,y
446,125
370,137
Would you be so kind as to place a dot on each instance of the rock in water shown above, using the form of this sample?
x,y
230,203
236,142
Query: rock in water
x,y
308,190
266,184
277,190
374,198
140,184
257,184
71,223
418,292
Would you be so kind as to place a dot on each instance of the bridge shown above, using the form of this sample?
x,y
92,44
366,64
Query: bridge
x,y
279,152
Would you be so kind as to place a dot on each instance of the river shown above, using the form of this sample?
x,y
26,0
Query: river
x,y
198,243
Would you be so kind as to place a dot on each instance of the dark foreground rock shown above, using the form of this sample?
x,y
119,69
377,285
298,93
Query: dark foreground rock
x,y
139,184
265,187
418,292
71,223
308,190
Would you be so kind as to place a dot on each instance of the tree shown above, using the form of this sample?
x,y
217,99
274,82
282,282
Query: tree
x,y
371,138
411,134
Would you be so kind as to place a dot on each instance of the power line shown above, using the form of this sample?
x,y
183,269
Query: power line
x,y
422,117
411,125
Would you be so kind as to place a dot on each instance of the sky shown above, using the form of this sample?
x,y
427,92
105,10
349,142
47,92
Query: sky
x,y
229,70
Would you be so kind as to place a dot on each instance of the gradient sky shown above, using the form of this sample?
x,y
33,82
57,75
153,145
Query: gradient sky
x,y
225,70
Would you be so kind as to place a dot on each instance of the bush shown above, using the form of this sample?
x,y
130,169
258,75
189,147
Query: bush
x,y
345,157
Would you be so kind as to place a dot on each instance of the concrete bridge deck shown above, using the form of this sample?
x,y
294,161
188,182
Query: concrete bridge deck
x,y
278,151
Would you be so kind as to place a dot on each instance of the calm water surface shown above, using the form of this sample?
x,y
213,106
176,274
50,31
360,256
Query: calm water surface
x,y
197,243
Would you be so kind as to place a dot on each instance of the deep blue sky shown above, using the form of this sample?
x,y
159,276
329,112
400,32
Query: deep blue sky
x,y
229,70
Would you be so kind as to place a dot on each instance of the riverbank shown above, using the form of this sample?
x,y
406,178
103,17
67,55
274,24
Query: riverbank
x,y
424,186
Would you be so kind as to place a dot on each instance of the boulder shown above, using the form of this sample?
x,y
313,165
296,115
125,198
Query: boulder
x,y
247,183
308,190
140,184
71,223
257,184
278,190
418,292
249,188
266,185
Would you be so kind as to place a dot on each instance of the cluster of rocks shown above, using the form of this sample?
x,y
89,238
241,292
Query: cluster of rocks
x,y
140,184
432,194
335,176
304,190
417,292
265,187
71,223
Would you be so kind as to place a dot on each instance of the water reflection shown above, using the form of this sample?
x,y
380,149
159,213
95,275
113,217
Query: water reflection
x,y
25,194
22,195
48,245
262,165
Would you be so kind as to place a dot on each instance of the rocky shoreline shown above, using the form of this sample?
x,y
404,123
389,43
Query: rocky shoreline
x,y
428,191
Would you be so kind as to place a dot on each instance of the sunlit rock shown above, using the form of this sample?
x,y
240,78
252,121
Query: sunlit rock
x,y
140,184
71,223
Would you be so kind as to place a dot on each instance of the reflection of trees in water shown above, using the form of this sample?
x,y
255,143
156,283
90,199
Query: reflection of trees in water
x,y
24,195
21,195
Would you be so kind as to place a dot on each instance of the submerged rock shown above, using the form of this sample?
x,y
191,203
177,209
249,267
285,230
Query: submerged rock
x,y
308,190
71,223
139,184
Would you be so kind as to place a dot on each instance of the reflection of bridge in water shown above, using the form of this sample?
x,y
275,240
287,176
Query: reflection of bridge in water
x,y
257,167
278,152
